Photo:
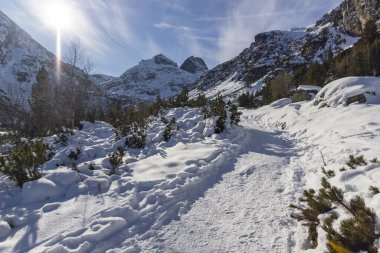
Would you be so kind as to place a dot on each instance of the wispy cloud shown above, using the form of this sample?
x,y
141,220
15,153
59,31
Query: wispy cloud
x,y
164,25
256,15
176,5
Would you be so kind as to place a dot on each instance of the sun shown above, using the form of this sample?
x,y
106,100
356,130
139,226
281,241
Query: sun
x,y
58,15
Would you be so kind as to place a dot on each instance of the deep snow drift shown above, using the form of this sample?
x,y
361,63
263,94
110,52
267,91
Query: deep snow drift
x,y
199,192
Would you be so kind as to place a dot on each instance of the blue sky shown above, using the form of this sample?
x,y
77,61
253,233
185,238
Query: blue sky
x,y
117,34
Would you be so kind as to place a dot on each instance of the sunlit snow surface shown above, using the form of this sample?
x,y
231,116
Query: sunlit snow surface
x,y
199,192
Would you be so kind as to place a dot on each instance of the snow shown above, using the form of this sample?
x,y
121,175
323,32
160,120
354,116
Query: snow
x,y
5,229
338,92
199,192
309,88
152,77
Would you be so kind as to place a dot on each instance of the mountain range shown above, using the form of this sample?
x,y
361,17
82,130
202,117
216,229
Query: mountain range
x,y
21,57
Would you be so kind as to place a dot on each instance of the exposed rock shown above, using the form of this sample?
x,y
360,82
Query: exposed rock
x,y
163,60
358,98
352,15
194,65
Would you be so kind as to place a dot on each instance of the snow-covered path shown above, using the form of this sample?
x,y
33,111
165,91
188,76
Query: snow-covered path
x,y
247,211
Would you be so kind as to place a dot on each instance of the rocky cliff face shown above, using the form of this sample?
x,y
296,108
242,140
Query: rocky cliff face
x,y
274,50
357,13
194,65
352,15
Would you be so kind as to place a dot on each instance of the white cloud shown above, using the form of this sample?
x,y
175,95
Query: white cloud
x,y
163,26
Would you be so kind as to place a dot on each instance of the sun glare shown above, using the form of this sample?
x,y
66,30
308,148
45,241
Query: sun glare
x,y
58,15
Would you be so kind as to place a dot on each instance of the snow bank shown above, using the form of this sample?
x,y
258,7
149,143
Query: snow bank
x,y
42,189
152,187
329,134
350,90
5,229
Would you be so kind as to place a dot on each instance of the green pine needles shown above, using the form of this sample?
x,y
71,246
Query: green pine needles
x,y
356,233
22,164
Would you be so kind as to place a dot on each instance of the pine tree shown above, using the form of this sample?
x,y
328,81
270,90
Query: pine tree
x,y
41,104
280,86
370,32
235,115
218,109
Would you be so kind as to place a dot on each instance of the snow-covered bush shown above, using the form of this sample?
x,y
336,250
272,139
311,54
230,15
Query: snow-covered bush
x,y
22,164
73,153
168,130
217,108
135,136
116,159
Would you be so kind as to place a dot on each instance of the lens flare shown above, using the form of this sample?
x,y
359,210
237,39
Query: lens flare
x,y
58,15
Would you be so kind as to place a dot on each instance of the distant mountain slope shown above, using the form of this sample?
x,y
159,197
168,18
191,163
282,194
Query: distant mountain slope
x,y
20,57
288,49
157,76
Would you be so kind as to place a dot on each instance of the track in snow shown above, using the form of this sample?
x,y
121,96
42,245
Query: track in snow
x,y
246,212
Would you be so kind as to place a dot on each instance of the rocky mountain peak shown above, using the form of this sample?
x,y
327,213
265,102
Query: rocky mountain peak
x,y
352,15
194,65
161,59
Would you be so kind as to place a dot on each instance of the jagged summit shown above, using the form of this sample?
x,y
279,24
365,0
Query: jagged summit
x,y
161,59
194,65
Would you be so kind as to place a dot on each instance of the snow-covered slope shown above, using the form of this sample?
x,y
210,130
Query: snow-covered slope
x,y
20,57
274,50
156,76
198,192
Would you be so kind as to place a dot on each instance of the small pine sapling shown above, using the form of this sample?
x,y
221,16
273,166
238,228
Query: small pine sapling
x,y
373,191
354,162
22,164
316,204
